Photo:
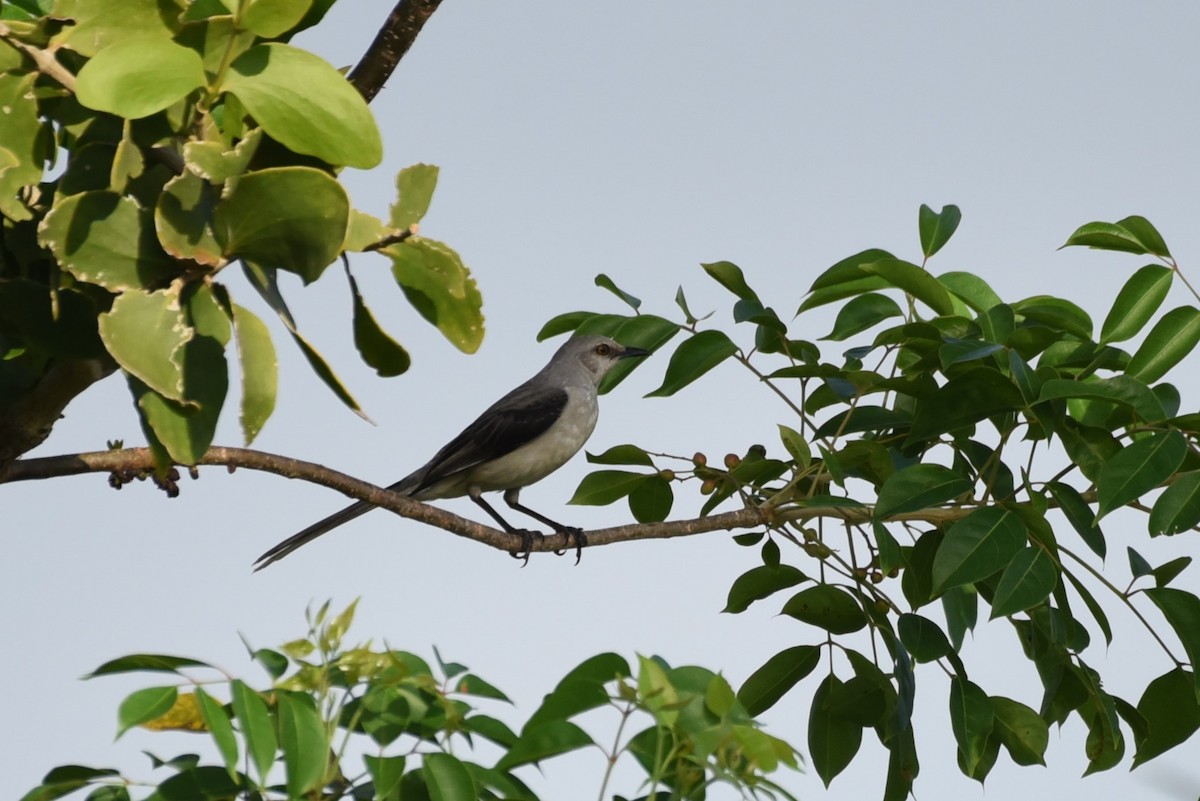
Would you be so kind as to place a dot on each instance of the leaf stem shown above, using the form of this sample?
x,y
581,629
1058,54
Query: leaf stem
x,y
1125,600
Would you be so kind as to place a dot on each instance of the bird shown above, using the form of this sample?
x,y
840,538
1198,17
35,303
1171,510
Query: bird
x,y
520,439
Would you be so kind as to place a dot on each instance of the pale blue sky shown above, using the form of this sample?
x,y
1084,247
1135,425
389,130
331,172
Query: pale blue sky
x,y
635,139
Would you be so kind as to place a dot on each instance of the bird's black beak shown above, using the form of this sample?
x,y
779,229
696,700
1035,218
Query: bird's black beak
x,y
631,353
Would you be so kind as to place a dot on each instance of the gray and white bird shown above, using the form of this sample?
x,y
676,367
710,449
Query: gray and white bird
x,y
521,438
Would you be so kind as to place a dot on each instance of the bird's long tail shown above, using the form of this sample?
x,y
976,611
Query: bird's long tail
x,y
311,533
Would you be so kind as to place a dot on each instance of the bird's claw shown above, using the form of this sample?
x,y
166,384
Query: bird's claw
x,y
528,537
576,534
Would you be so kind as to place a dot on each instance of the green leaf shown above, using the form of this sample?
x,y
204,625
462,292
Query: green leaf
x,y
777,676
862,313
923,639
656,692
1021,730
387,356
303,102
1093,606
849,273
448,779
967,398
890,555
1130,235
24,143
606,486
155,663
796,445
903,766
1172,338
605,282
651,500
937,228
920,486
260,371
1182,611
545,740
386,773
972,289
832,739
564,323
1121,389
212,162
492,729
997,325
977,546
1057,313
304,740
972,721
1146,234
138,76
1138,565
1178,508
105,239
97,26
1139,468
414,193
961,607
202,783
186,428
915,281
218,724
1136,303
1079,514
1027,581
127,163
692,359
622,454
288,218
143,706
730,276
183,219
826,607
440,287
109,792
1171,711
1165,573
719,697
272,18
470,684
962,351
759,583
254,721
146,333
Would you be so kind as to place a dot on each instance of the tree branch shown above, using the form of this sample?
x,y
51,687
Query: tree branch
x,y
26,421
141,460
46,63
391,43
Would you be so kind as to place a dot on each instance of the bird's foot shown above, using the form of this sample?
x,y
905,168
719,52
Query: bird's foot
x,y
527,538
576,534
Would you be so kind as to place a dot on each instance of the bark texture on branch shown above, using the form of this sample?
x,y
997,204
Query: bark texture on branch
x,y
26,421
391,43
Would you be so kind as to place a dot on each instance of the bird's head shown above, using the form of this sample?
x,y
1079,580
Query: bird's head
x,y
596,354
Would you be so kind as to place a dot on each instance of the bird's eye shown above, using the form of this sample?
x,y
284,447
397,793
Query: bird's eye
x,y
603,349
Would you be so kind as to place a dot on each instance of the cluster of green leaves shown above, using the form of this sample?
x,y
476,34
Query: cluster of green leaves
x,y
329,702
187,136
924,468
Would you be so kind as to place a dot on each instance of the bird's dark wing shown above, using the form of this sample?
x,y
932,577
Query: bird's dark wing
x,y
519,417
